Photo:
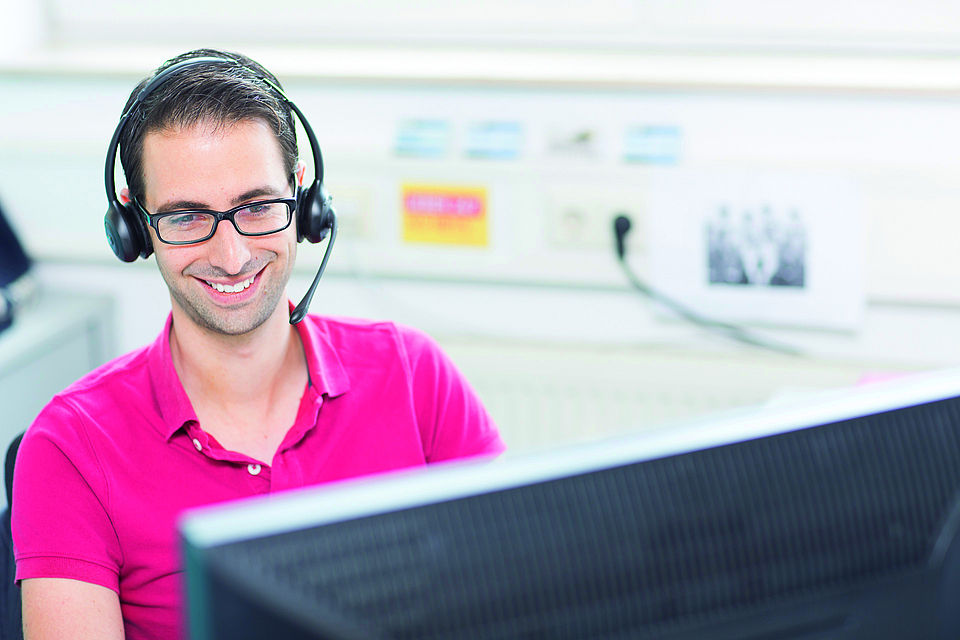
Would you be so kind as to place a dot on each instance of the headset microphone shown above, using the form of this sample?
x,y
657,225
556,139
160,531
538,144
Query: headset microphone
x,y
300,312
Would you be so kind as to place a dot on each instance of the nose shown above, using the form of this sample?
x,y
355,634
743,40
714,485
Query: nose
x,y
228,249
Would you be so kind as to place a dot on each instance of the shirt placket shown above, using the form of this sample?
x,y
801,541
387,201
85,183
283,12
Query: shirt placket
x,y
251,471
287,471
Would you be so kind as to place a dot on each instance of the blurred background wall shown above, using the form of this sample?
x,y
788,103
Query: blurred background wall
x,y
819,136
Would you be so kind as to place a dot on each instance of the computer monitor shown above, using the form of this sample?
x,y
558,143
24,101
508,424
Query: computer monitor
x,y
834,517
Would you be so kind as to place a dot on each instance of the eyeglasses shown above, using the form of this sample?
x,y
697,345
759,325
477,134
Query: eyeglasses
x,y
260,218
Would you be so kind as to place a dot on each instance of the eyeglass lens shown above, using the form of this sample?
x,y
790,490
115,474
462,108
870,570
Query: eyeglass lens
x,y
258,218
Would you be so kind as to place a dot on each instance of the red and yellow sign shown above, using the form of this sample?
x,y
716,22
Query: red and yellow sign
x,y
444,214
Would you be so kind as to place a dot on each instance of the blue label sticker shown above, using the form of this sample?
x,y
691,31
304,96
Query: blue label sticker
x,y
653,145
494,140
423,139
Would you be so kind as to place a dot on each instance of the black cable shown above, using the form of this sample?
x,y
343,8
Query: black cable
x,y
621,226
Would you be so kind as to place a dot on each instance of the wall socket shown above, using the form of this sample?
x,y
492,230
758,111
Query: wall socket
x,y
353,202
582,217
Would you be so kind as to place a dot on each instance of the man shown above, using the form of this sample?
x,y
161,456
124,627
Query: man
x,y
231,400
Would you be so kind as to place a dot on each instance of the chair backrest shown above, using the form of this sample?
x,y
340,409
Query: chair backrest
x,y
11,625
8,467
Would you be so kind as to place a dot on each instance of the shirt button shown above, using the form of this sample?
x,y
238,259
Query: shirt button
x,y
197,444
254,469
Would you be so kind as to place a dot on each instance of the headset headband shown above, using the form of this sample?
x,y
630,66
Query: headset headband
x,y
162,77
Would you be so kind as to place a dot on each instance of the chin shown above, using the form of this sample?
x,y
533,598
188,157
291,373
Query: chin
x,y
234,326
227,322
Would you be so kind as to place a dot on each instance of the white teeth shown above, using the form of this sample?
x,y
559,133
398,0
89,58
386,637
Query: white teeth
x,y
228,288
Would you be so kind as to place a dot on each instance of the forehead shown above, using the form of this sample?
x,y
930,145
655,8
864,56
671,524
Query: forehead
x,y
211,162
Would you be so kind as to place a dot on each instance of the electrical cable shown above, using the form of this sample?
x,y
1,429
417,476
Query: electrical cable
x,y
621,226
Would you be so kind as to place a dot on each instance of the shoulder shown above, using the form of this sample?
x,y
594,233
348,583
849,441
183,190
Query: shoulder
x,y
88,427
107,387
362,328
113,372
115,377
378,336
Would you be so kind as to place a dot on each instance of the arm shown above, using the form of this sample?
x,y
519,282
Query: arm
x,y
83,610
67,551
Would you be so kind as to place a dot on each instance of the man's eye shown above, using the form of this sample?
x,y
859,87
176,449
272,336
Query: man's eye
x,y
256,209
185,219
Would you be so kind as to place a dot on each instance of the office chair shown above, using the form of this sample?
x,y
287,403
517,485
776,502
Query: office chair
x,y
11,620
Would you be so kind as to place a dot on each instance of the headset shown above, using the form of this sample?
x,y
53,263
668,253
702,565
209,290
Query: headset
x,y
128,233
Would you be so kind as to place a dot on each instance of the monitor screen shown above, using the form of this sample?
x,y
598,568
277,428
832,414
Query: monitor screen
x,y
833,517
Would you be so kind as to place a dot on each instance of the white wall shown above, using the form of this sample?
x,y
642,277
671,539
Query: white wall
x,y
885,121
899,151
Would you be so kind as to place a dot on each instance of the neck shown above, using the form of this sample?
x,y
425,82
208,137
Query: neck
x,y
236,370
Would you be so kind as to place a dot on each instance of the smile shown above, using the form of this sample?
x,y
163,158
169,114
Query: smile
x,y
234,288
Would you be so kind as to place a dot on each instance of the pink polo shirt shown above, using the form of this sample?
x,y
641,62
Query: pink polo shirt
x,y
106,468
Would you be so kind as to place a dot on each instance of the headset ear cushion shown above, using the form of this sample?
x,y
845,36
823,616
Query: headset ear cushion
x,y
302,220
126,232
140,224
310,214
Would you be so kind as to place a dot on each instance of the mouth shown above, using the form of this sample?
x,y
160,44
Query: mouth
x,y
231,288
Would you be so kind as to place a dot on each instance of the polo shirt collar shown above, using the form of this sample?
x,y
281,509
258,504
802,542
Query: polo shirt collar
x,y
327,374
172,401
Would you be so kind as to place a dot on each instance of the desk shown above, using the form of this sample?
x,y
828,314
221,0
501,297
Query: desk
x,y
53,342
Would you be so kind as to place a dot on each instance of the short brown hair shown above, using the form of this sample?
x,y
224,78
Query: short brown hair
x,y
225,91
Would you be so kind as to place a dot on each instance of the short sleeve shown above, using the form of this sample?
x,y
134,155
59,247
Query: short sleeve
x,y
453,422
60,516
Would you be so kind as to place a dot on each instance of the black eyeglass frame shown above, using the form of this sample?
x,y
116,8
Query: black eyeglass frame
x,y
154,218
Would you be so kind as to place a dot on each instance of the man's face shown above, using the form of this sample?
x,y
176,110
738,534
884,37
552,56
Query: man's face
x,y
218,168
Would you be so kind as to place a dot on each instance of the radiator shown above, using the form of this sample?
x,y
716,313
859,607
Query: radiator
x,y
542,396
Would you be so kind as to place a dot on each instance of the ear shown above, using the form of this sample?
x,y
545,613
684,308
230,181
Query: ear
x,y
299,173
125,195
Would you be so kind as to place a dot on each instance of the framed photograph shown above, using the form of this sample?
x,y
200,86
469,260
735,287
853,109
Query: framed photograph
x,y
759,246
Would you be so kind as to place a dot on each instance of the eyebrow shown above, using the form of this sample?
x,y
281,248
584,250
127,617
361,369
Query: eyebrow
x,y
193,205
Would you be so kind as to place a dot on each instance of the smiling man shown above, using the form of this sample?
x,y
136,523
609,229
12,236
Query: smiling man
x,y
231,400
